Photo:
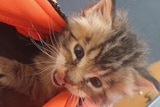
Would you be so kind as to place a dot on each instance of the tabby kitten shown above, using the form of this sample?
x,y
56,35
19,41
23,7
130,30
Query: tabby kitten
x,y
96,57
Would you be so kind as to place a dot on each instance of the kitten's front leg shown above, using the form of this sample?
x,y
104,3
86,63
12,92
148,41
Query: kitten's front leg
x,y
7,73
17,76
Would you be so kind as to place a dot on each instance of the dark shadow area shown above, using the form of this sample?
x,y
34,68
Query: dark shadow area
x,y
15,46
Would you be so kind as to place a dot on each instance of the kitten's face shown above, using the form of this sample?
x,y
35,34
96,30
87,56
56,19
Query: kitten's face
x,y
97,56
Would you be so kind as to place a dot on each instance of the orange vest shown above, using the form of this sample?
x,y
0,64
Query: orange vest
x,y
34,18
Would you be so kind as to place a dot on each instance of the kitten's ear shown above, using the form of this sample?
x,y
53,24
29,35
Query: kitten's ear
x,y
141,82
103,9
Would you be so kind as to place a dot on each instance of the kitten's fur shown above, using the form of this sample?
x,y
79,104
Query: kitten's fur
x,y
96,57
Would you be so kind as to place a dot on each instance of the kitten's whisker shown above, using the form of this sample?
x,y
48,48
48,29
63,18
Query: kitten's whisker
x,y
81,98
56,43
50,29
84,102
52,43
42,62
51,32
33,27
51,49
48,68
40,48
70,100
43,43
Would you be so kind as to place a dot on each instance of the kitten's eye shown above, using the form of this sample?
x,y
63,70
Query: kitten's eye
x,y
95,82
78,51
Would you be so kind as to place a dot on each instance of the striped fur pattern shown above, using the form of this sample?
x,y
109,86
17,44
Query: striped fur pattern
x,y
110,54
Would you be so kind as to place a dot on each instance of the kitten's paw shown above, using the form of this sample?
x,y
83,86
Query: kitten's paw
x,y
7,70
3,79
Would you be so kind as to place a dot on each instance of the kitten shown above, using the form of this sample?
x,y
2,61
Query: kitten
x,y
97,57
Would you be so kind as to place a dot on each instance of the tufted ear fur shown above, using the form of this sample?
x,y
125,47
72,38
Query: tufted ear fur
x,y
142,82
103,9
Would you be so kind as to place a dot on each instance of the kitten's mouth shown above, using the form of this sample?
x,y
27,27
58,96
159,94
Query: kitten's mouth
x,y
55,81
58,79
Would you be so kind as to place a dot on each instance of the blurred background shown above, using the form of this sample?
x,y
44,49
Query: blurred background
x,y
144,16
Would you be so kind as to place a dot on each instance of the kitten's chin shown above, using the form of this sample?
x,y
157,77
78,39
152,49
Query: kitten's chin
x,y
75,91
